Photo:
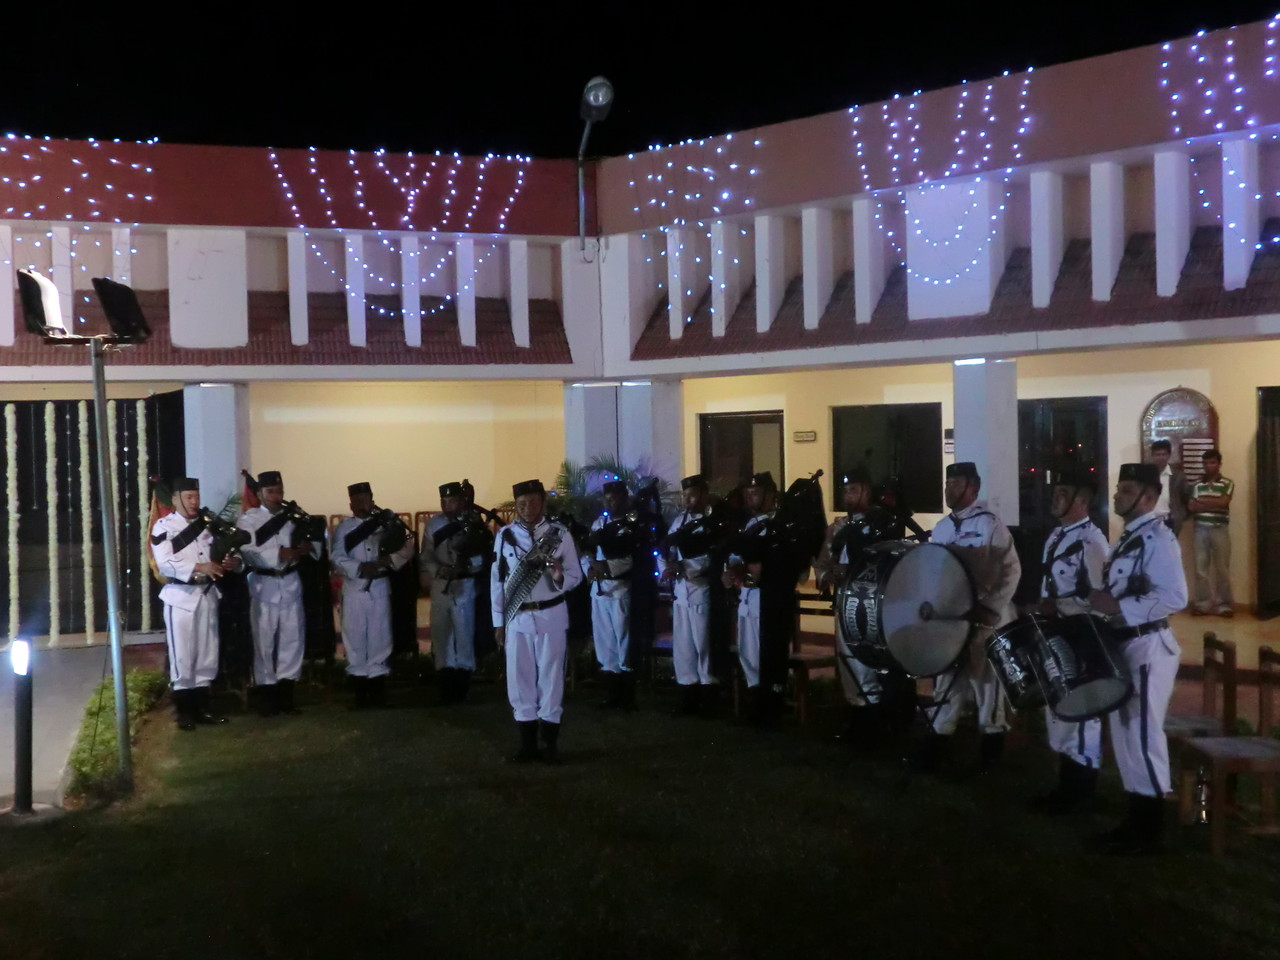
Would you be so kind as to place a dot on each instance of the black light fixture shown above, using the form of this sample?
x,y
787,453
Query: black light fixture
x,y
597,99
42,313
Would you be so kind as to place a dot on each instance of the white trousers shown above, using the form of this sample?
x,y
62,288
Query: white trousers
x,y
453,626
971,680
279,638
1137,728
366,628
611,630
535,671
690,647
1080,741
749,635
860,683
192,636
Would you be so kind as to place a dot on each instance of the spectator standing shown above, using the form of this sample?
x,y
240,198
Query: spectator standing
x,y
1172,505
1210,505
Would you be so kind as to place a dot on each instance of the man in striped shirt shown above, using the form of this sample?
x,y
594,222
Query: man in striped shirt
x,y
1210,504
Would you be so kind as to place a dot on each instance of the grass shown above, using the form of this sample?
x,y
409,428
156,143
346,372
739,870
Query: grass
x,y
405,833
94,763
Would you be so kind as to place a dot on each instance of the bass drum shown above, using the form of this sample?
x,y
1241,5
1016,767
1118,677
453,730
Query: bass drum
x,y
859,604
923,609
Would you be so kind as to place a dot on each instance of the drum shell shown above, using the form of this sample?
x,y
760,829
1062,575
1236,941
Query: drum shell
x,y
1009,651
1094,679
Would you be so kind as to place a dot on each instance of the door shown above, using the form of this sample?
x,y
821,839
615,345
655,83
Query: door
x,y
1054,434
1267,490
733,446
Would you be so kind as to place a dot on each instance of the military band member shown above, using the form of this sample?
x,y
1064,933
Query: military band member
x,y
452,560
610,579
367,548
1145,583
863,525
1074,556
691,604
986,547
761,494
275,595
534,638
181,545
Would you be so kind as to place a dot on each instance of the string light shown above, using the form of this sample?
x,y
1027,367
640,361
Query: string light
x,y
34,163
1211,97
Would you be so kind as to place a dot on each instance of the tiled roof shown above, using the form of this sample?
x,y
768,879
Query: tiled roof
x,y
1199,296
269,341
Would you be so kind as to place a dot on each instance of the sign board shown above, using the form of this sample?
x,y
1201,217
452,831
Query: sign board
x,y
1188,421
804,436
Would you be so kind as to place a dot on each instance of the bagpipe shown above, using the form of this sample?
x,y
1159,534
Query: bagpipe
x,y
307,528
707,535
796,530
228,539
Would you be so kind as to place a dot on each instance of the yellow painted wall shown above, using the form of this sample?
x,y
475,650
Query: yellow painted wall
x,y
405,438
1229,374
116,390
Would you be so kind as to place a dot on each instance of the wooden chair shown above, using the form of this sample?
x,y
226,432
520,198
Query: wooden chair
x,y
1219,668
1224,757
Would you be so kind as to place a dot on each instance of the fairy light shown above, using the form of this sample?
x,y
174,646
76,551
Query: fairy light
x,y
1212,98
34,163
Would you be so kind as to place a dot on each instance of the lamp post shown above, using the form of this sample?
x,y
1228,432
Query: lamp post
x,y
597,99
20,660
42,312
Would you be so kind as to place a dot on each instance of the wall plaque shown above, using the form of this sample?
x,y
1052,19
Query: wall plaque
x,y
804,436
1186,419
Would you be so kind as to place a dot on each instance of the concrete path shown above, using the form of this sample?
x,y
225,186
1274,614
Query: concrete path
x,y
63,679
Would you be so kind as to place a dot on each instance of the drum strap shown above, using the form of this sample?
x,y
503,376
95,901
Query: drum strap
x,y
1082,574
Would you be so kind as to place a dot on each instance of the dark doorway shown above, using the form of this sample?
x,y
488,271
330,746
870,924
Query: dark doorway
x,y
1054,434
733,446
1267,491
898,441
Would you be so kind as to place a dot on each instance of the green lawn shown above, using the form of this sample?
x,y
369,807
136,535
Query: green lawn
x,y
405,833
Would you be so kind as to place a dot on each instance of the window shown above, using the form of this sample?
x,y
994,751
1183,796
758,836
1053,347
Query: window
x,y
733,446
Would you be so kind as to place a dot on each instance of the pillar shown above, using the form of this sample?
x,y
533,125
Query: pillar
x,y
216,431
1106,225
985,396
1048,241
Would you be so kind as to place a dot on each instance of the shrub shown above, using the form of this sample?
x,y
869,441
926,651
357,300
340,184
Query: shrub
x,y
93,763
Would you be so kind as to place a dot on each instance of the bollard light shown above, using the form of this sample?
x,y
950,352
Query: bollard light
x,y
20,656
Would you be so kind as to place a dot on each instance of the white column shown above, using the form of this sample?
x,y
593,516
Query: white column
x,y
869,262
651,426
353,284
411,290
7,282
590,421
679,279
1106,225
122,255
60,254
465,255
1048,236
771,270
1240,207
216,430
296,247
818,258
726,274
518,286
1173,218
985,402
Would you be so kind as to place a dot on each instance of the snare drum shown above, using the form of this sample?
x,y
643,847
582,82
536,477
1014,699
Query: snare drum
x,y
1072,664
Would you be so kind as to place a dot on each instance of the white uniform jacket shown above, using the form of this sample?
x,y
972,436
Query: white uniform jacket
x,y
367,550
438,553
1074,558
185,586
620,568
989,555
514,541
1144,571
691,583
266,556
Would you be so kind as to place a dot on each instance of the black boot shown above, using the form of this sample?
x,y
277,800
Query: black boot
x,y
550,736
627,690
183,710
1142,833
360,691
463,682
202,712
268,700
865,726
377,691
612,691
770,705
1075,787
750,707
285,690
690,694
992,749
708,700
931,753
528,741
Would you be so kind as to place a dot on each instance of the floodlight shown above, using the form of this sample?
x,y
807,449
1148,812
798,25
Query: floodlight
x,y
597,98
120,304
41,305
20,657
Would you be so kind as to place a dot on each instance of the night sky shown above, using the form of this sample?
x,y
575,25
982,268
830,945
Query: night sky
x,y
506,77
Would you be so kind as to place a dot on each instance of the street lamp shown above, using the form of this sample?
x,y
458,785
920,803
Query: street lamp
x,y
597,99
42,313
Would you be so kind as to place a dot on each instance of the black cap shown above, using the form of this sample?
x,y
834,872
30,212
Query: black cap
x,y
1078,477
762,480
451,489
270,478
855,475
965,468
615,486
528,486
186,483
1147,474
697,480
354,488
